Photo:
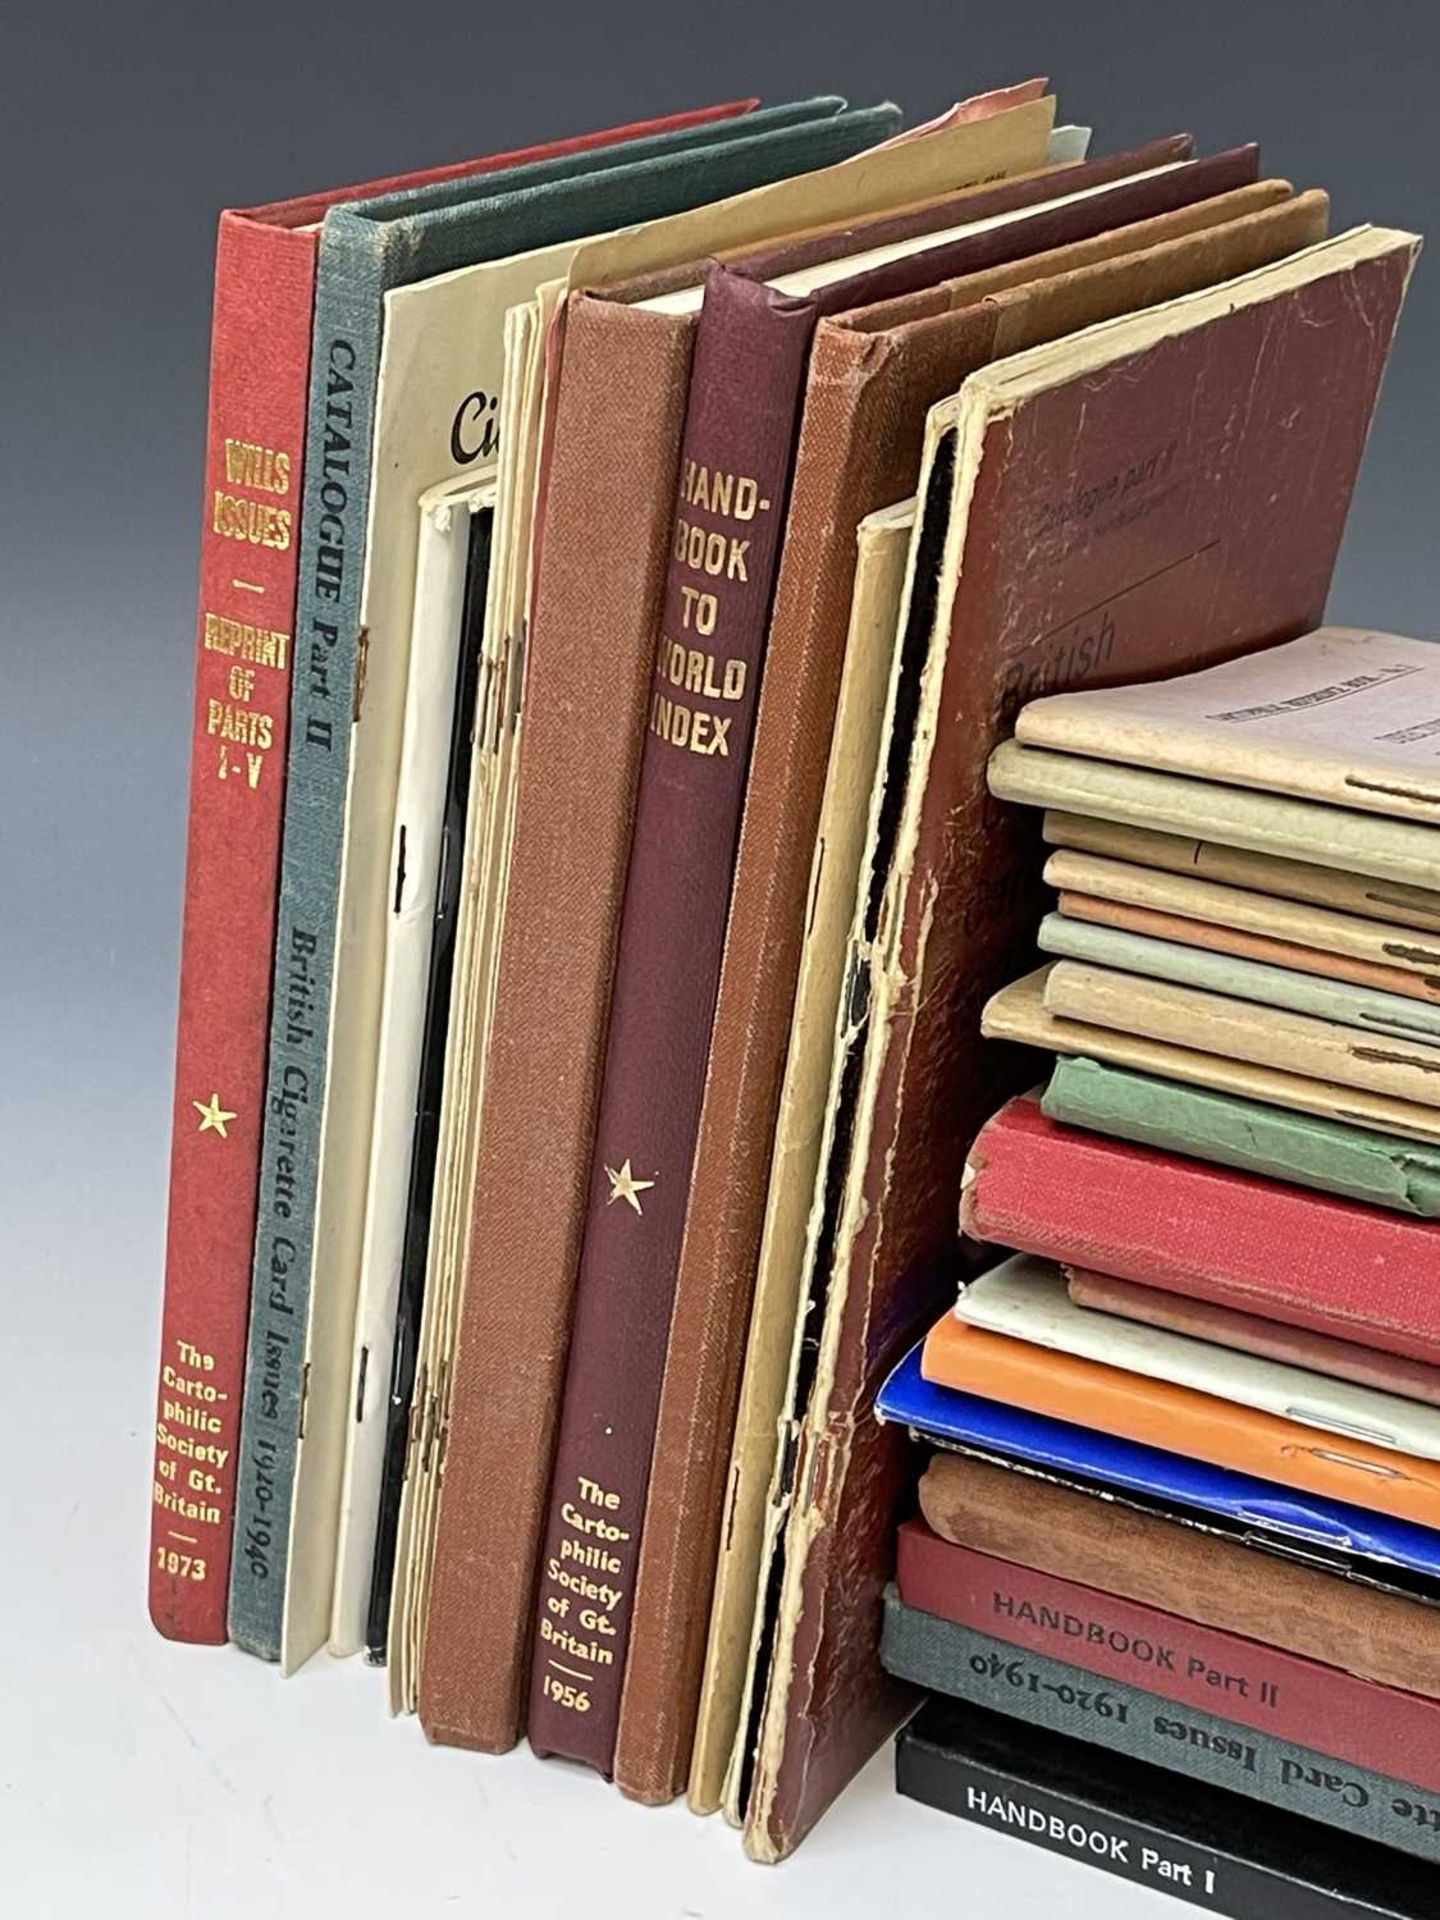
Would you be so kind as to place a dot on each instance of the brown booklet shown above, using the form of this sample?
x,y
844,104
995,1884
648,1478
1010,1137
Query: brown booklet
x,y
1163,490
615,413
1185,1570
860,440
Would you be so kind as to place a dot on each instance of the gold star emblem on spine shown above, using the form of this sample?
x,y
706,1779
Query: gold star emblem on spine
x,y
213,1117
624,1186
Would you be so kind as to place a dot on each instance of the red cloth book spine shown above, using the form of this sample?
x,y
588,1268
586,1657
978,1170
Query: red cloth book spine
x,y
1310,1259
259,367
259,380
751,347
1324,1708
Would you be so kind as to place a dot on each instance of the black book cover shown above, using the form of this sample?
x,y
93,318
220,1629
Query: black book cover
x,y
1205,1846
426,1137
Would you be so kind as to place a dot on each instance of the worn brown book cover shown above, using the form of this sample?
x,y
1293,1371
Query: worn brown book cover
x,y
1105,508
859,444
751,348
864,408
1117,1549
705,1392
868,392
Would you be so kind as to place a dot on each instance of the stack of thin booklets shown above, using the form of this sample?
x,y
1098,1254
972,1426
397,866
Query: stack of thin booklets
x,y
620,560
1185,1502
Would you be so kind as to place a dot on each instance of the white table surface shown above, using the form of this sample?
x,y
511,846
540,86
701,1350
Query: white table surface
x,y
139,1778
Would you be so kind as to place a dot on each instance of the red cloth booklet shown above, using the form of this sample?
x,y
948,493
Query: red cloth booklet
x,y
1335,1266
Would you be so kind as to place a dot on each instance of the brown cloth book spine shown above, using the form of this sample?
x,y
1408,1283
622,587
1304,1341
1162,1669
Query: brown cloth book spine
x,y
750,352
859,450
620,412
1253,407
1384,1637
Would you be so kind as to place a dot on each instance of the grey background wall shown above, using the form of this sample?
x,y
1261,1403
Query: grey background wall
x,y
125,126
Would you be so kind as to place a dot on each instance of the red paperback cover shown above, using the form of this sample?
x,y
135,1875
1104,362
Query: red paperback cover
x,y
259,377
1210,1233
1333,1712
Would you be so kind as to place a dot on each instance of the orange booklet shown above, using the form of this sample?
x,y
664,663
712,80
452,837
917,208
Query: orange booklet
x,y
1091,1394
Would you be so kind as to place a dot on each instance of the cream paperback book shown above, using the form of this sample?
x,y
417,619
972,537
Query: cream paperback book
x,y
1341,714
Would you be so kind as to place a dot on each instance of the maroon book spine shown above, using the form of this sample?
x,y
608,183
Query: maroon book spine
x,y
1259,1686
751,347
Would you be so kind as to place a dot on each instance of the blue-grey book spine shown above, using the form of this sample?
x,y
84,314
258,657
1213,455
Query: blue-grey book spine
x,y
365,250
954,1660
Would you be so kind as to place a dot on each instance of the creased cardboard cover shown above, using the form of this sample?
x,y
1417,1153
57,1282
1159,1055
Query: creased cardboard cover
x,y
1242,1030
1218,938
1294,828
1113,514
1341,714
1357,936
1402,1016
1201,1124
1018,1014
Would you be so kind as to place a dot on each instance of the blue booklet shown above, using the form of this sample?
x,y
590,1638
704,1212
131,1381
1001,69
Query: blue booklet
x,y
1327,1533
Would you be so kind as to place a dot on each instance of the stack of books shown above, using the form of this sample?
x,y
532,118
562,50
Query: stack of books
x,y
620,561
1186,1497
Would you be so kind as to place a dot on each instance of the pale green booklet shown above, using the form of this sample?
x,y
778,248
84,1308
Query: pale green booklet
x,y
1229,1130
1310,830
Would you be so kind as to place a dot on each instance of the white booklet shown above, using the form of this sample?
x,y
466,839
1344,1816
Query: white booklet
x,y
449,608
437,412
1027,1299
